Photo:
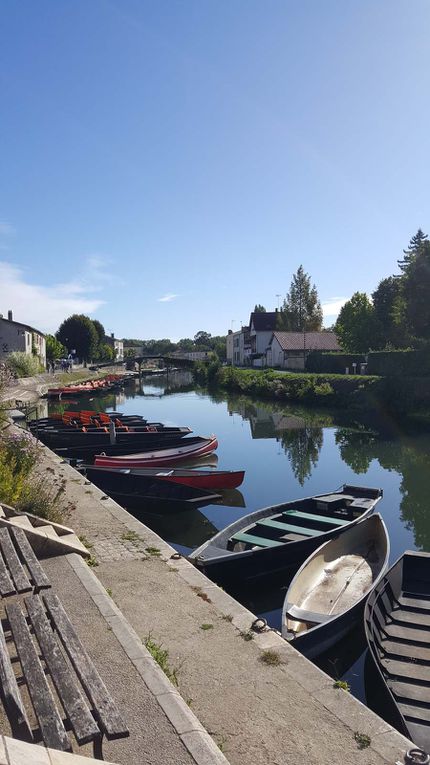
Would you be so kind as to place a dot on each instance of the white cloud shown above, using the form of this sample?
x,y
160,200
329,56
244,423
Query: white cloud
x,y
168,298
44,307
332,306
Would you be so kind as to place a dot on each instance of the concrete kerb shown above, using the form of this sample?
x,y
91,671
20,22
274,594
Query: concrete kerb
x,y
191,732
385,740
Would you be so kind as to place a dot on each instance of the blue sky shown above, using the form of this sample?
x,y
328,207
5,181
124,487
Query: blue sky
x,y
166,165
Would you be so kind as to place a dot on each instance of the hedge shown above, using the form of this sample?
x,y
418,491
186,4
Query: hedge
x,y
335,363
412,363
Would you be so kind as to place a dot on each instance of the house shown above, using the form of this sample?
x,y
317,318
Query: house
x,y
117,345
15,336
262,325
238,347
289,350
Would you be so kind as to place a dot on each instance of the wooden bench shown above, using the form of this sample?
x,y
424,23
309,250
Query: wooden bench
x,y
43,635
20,570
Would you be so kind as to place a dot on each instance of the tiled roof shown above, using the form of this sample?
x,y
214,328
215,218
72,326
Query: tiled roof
x,y
312,341
264,321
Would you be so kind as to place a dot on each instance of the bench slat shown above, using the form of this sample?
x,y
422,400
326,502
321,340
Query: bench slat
x,y
20,578
306,532
51,724
84,726
252,539
38,575
6,585
330,519
104,707
10,691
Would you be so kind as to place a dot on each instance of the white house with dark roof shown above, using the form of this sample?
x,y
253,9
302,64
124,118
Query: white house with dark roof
x,y
288,350
15,336
262,325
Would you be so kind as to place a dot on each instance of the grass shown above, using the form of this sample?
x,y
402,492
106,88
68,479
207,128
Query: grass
x,y
227,617
86,542
161,656
92,561
153,551
342,684
201,594
132,536
206,626
109,591
362,739
247,635
271,658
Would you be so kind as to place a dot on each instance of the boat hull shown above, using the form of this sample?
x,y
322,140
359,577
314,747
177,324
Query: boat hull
x,y
227,567
340,573
396,623
171,456
197,479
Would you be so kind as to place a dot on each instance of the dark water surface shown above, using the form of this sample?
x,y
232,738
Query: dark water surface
x,y
287,453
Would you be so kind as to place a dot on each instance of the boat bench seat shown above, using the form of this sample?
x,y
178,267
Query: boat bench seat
x,y
289,527
250,539
302,615
320,518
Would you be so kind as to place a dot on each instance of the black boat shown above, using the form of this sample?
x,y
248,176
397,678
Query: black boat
x,y
88,450
397,626
132,441
326,597
146,491
276,538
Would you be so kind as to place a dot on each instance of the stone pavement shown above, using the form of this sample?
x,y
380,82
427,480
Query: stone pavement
x,y
279,713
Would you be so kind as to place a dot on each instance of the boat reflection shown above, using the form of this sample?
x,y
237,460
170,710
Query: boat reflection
x,y
189,528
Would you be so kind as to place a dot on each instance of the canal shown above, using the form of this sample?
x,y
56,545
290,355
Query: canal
x,y
287,452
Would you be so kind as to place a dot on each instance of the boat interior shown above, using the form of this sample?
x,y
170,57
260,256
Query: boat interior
x,y
300,520
337,576
398,626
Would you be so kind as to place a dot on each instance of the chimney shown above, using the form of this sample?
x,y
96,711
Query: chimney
x,y
112,335
9,316
230,331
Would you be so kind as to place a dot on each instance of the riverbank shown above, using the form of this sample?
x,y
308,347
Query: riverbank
x,y
394,396
258,698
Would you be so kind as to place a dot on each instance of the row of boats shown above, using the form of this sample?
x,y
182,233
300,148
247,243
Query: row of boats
x,y
336,543
343,548
102,385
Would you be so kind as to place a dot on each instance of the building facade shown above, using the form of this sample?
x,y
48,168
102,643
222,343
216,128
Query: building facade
x,y
289,350
15,336
117,345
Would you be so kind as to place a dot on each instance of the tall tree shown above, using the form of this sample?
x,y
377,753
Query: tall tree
x,y
356,325
389,307
79,333
416,290
202,339
258,308
301,310
54,349
101,334
414,247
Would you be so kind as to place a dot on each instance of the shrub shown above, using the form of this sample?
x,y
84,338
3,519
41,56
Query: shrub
x,y
335,363
407,363
23,365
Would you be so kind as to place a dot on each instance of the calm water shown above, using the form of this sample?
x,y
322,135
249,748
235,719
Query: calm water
x,y
287,452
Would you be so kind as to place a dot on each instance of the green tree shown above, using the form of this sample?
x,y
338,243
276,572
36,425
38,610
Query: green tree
x,y
202,340
101,334
356,326
258,308
389,307
105,352
54,349
79,333
411,251
186,345
301,310
416,290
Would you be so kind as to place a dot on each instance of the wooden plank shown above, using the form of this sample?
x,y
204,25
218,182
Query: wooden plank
x,y
38,575
411,617
6,585
18,574
406,650
410,691
250,539
408,634
50,722
10,691
104,708
320,518
407,669
289,527
414,603
415,712
84,726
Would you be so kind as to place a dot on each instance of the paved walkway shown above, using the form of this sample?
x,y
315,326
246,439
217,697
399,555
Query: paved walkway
x,y
278,714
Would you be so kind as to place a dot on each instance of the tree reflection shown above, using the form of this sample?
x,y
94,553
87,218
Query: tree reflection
x,y
355,448
302,447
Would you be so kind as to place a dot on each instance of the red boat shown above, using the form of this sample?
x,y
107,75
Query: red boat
x,y
198,448
198,479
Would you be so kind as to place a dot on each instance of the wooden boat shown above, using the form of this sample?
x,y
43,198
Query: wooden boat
x,y
147,489
276,538
397,627
198,479
190,448
195,448
326,597
150,437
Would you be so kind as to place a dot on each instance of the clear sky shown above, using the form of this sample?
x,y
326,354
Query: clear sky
x,y
166,164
